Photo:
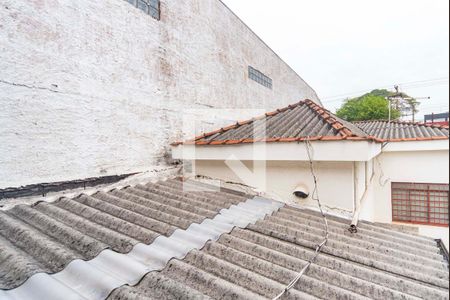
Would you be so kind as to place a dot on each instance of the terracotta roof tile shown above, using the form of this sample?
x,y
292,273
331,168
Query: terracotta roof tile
x,y
217,142
244,122
293,123
288,140
332,138
355,138
233,142
247,141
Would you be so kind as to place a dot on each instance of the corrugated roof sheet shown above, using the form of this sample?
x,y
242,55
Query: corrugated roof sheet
x,y
95,279
290,124
257,263
46,237
403,131
252,263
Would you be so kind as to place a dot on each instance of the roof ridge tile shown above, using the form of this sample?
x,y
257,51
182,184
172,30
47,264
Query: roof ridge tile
x,y
322,113
333,121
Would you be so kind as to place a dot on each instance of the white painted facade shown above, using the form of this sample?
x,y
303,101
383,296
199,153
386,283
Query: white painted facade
x,y
280,178
96,88
400,162
352,176
349,151
277,168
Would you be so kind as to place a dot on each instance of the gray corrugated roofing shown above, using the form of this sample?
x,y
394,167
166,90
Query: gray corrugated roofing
x,y
48,236
97,278
397,130
304,119
257,263
252,263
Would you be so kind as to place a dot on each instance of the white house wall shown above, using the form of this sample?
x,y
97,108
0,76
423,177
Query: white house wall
x,y
93,88
335,180
360,180
406,166
436,233
432,145
323,151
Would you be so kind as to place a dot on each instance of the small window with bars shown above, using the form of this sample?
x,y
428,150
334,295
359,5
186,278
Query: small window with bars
x,y
150,7
420,203
260,78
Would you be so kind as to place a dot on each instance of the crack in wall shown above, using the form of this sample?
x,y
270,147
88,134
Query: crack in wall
x,y
29,86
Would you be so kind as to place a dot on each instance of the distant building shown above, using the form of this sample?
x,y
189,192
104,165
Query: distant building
x,y
440,119
98,88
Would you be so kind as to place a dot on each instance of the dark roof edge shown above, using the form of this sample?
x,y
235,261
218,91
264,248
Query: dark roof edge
x,y
41,189
443,250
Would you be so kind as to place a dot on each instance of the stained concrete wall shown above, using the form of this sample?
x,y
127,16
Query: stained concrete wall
x,y
278,179
96,88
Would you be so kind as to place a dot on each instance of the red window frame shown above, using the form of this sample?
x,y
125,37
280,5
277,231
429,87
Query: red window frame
x,y
420,203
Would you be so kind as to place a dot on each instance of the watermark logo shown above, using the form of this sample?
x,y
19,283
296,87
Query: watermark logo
x,y
240,157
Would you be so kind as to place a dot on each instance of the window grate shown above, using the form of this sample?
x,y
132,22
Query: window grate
x,y
259,77
150,7
420,203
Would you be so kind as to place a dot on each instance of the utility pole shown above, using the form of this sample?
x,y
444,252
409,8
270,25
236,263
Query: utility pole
x,y
399,99
390,99
396,97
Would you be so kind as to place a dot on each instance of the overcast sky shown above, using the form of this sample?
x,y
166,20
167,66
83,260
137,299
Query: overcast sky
x,y
344,48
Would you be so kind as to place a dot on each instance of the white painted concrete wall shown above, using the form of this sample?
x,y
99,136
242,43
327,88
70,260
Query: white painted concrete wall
x,y
92,88
341,184
348,151
406,166
336,188
436,233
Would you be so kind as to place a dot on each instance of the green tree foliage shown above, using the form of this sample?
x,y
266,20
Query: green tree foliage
x,y
371,106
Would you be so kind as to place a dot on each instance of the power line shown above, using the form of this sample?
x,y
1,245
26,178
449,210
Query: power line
x,y
344,96
426,85
443,79
412,84
434,106
314,196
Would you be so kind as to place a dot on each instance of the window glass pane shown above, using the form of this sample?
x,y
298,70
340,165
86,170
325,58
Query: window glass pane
x,y
142,5
259,77
154,13
154,3
150,7
420,203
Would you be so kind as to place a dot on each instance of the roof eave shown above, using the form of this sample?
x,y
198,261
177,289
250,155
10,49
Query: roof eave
x,y
411,145
324,150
